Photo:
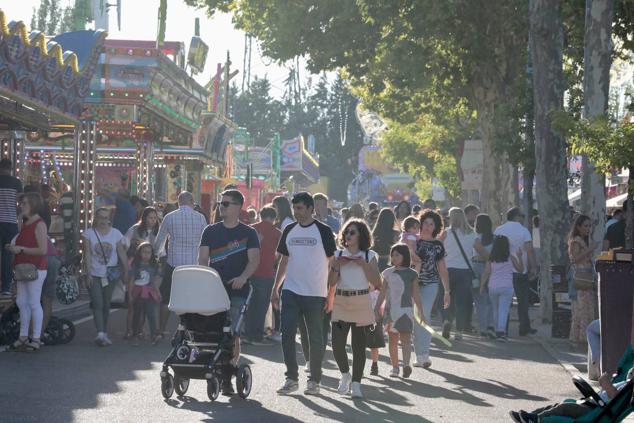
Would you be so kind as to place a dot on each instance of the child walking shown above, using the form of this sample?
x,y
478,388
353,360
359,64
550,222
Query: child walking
x,y
498,274
400,292
409,236
143,285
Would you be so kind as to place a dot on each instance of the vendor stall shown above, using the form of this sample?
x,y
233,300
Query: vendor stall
x,y
299,167
42,87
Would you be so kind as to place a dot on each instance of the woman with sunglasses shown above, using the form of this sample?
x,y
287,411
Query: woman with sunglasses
x,y
355,269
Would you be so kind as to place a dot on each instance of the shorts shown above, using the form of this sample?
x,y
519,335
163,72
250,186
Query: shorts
x,y
50,283
166,284
234,311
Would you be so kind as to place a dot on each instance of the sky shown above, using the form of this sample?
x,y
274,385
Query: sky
x,y
138,21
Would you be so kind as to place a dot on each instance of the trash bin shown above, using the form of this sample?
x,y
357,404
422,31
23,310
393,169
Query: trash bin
x,y
561,302
616,287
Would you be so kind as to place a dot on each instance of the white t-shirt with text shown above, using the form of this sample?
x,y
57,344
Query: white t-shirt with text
x,y
308,249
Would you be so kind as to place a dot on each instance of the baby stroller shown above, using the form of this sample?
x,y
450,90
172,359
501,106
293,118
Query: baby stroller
x,y
203,345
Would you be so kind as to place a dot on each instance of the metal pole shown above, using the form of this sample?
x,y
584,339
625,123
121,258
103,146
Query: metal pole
x,y
77,185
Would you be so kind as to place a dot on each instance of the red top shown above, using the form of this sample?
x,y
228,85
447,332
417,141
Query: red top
x,y
269,238
26,238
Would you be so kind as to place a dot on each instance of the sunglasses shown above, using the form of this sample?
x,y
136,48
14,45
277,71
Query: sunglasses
x,y
226,204
350,232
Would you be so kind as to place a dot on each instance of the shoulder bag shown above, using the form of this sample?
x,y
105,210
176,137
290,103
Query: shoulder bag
x,y
583,280
25,272
475,281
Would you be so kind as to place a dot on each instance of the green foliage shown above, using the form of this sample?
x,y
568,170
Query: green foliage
x,y
257,111
50,18
414,62
610,147
320,113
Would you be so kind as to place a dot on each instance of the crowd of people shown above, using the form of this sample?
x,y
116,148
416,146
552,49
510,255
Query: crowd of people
x,y
371,274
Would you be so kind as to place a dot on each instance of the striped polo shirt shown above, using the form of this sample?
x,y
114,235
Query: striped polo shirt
x,y
10,187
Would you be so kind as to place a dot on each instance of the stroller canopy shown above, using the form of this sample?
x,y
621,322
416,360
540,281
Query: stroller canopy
x,y
198,289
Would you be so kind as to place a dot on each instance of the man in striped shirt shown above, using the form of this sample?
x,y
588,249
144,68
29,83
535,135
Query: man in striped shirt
x,y
183,228
10,187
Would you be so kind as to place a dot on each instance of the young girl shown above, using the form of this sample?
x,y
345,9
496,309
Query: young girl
x,y
399,289
143,289
498,273
409,236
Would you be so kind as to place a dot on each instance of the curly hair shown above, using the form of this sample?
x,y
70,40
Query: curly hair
x,y
365,237
431,214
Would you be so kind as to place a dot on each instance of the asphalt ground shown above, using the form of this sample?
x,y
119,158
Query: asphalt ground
x,y
474,381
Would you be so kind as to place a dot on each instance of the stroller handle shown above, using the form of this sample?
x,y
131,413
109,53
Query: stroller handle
x,y
237,328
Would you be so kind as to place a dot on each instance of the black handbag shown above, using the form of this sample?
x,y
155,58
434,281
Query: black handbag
x,y
374,335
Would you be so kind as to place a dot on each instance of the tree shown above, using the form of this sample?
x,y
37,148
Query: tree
x,y
546,35
596,88
410,58
256,110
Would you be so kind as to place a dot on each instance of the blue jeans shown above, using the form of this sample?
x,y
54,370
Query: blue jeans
x,y
593,332
258,306
311,310
501,299
483,310
7,232
422,338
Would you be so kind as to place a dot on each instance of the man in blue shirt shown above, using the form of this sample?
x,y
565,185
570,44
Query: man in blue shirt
x,y
321,212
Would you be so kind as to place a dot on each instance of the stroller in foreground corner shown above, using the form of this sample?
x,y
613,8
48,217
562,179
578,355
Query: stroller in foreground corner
x,y
204,343
613,411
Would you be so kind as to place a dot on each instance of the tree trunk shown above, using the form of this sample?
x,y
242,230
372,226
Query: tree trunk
x,y
496,193
546,37
596,84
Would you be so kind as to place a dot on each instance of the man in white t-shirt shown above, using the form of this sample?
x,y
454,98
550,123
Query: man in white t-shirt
x,y
520,238
307,248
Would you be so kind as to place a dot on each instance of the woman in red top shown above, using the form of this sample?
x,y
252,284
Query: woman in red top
x,y
30,247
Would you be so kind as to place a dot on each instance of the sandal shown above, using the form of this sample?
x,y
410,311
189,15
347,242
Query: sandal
x,y
18,345
33,346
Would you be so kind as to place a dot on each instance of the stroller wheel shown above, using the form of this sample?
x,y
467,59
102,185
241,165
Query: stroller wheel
x,y
167,386
213,388
244,380
180,385
67,331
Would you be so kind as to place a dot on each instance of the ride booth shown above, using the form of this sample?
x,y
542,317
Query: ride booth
x,y
299,167
43,83
143,105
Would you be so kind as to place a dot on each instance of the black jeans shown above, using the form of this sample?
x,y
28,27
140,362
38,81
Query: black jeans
x,y
303,337
340,332
461,297
258,306
522,292
311,309
7,232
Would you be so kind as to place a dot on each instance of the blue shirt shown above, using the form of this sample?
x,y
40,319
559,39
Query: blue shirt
x,y
124,216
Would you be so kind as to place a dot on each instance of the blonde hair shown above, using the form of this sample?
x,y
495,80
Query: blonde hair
x,y
457,215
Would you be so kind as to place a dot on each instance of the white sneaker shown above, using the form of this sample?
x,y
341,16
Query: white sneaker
x,y
344,383
312,388
394,372
355,390
276,337
288,387
99,340
106,341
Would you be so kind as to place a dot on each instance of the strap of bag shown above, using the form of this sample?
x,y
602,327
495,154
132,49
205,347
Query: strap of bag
x,y
464,256
103,253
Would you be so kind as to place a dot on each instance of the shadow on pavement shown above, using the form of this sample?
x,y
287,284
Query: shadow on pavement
x,y
365,410
490,387
224,411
